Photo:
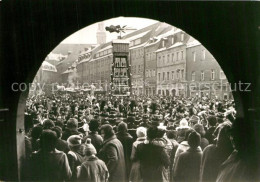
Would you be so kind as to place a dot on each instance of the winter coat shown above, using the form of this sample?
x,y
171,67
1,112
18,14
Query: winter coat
x,y
135,173
127,141
96,140
187,168
51,166
75,160
112,153
62,146
67,133
204,143
153,161
93,170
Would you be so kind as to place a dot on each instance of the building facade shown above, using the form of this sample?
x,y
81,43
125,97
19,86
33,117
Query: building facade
x,y
205,78
171,64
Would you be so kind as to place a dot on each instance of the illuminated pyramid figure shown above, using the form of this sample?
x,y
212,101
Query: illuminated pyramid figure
x,y
120,76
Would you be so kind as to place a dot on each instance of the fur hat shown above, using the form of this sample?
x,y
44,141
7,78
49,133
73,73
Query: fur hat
x,y
74,140
183,124
90,149
141,132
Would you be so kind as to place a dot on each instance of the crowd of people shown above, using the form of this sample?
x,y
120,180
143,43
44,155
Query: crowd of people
x,y
77,137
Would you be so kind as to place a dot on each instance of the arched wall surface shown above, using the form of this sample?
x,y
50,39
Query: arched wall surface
x,y
32,29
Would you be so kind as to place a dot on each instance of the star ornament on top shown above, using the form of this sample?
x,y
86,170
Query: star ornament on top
x,y
117,29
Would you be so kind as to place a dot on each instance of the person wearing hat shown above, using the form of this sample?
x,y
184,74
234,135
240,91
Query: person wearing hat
x,y
152,157
181,130
127,141
96,139
76,155
48,163
93,169
71,129
112,153
187,166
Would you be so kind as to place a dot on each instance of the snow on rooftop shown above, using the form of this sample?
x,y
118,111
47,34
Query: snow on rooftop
x,y
137,36
193,43
48,67
120,41
176,45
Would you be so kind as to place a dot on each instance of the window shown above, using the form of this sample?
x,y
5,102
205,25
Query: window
x,y
182,37
137,41
163,75
168,59
172,57
172,75
194,56
177,74
159,60
202,76
163,43
139,68
163,60
222,75
177,56
193,75
212,74
168,75
172,40
146,73
159,76
182,74
182,56
153,72
203,54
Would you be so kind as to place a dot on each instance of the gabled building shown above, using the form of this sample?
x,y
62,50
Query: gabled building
x,y
205,78
171,63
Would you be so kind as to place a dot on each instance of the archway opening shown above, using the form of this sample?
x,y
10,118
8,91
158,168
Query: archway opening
x,y
164,56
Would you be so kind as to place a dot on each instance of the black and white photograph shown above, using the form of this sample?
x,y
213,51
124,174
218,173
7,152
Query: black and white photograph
x,y
129,91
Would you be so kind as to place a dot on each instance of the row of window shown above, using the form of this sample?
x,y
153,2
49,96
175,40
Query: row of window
x,y
212,75
178,74
150,56
203,55
170,58
137,69
103,53
137,53
150,73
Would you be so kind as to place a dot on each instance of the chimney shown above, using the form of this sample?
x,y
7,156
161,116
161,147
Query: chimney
x,y
86,49
69,52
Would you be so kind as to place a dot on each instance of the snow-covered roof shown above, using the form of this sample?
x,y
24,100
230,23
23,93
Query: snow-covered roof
x,y
121,41
141,45
162,49
176,45
100,57
105,48
152,43
48,67
137,36
193,43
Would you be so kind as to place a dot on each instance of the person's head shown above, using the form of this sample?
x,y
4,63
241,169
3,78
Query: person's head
x,y
58,131
36,132
171,134
200,129
48,124
212,120
107,131
90,149
93,125
152,133
48,140
223,137
74,142
72,123
187,133
141,132
59,123
194,140
122,127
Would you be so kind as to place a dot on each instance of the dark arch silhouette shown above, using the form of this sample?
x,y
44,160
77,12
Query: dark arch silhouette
x,y
30,30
